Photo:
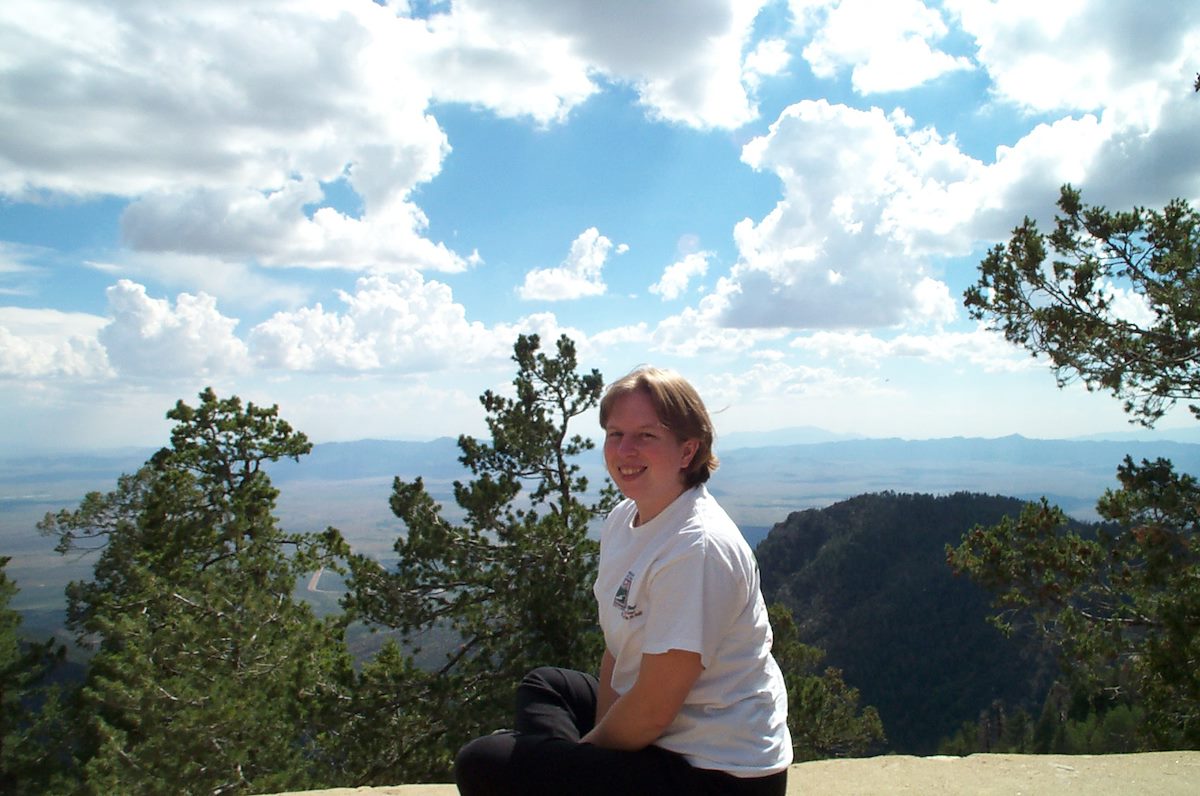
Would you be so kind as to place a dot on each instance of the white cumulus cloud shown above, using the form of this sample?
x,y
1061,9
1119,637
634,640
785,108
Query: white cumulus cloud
x,y
148,337
773,386
888,46
43,343
399,322
223,123
223,120
678,275
578,276
685,58
274,229
979,347
831,253
1082,55
770,57
697,330
868,199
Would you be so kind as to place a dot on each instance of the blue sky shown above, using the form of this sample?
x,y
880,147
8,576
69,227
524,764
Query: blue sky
x,y
351,209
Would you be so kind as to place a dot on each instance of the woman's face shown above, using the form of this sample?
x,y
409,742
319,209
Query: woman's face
x,y
644,458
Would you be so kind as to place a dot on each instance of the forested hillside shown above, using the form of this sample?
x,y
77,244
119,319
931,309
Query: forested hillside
x,y
867,581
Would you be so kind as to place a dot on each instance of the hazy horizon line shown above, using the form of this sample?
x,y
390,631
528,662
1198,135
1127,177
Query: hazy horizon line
x,y
782,436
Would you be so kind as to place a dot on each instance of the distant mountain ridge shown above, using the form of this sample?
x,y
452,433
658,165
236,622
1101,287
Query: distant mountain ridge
x,y
796,435
373,458
1188,434
759,485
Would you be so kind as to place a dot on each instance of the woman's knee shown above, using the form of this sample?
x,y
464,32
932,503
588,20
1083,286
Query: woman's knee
x,y
543,677
482,767
569,683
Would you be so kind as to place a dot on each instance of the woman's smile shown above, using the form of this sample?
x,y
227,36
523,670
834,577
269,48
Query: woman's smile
x,y
644,458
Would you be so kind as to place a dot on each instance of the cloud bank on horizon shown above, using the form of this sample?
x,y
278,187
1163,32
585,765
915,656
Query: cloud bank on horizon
x,y
352,208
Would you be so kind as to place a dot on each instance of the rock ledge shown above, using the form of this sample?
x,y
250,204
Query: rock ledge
x,y
1157,773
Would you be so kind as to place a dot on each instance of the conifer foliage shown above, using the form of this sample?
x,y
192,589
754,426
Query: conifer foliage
x,y
32,755
512,582
824,716
1118,308
209,676
1121,608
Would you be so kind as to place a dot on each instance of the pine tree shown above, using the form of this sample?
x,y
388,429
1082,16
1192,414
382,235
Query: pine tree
x,y
34,755
1121,609
513,581
1070,310
823,712
209,676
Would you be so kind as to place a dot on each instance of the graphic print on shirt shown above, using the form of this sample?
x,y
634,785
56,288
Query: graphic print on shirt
x,y
621,600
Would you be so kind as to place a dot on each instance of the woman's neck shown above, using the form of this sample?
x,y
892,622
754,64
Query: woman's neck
x,y
647,512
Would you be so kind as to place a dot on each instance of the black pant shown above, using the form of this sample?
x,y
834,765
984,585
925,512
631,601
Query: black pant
x,y
542,755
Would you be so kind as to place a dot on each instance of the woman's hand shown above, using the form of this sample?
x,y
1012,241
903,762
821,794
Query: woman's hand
x,y
638,718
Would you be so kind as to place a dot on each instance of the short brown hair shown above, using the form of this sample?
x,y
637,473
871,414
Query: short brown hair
x,y
678,407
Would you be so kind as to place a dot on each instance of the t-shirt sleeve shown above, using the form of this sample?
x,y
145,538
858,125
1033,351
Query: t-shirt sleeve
x,y
693,599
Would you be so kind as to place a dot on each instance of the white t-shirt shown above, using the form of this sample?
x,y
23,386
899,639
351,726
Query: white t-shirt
x,y
687,580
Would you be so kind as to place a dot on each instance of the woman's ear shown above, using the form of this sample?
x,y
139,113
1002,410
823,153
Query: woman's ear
x,y
690,447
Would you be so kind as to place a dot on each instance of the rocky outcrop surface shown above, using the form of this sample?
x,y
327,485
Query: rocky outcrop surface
x,y
1155,773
